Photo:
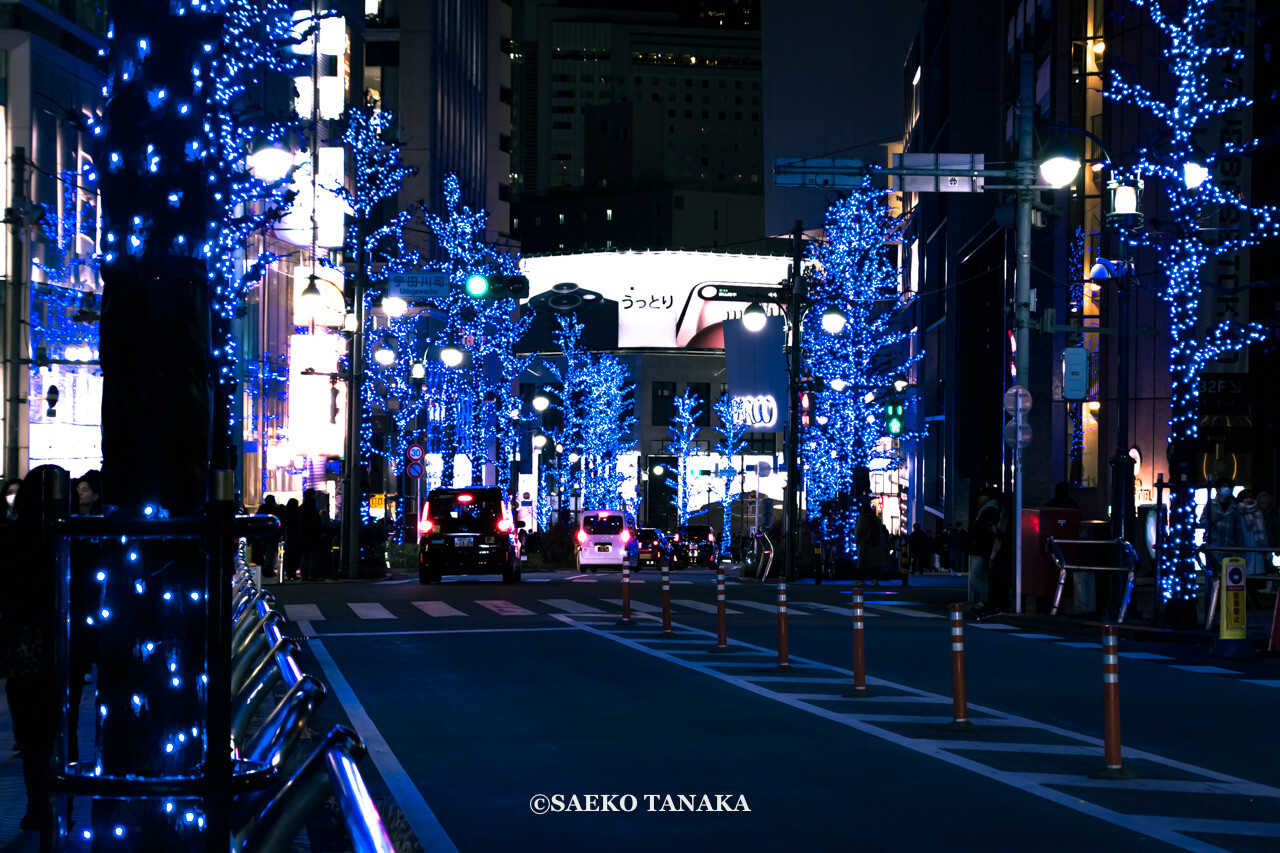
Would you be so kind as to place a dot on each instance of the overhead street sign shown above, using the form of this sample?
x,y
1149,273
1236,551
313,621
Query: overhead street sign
x,y
741,293
418,285
819,172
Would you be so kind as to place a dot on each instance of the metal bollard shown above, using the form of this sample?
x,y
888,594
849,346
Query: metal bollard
x,y
959,698
722,637
626,593
784,661
1111,707
666,600
859,648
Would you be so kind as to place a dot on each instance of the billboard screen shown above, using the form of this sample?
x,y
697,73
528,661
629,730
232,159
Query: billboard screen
x,y
630,300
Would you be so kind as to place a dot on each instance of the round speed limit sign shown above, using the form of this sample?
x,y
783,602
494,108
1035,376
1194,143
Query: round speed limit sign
x,y
415,452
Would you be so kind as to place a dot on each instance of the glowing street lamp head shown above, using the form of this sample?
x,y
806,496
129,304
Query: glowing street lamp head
x,y
1194,174
394,306
833,321
540,403
754,317
539,441
1060,165
451,356
311,292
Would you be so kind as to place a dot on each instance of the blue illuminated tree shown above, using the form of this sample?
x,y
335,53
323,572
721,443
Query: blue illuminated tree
x,y
684,440
1196,49
732,430
853,371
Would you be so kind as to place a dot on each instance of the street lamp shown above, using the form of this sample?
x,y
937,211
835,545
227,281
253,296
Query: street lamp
x,y
451,356
754,317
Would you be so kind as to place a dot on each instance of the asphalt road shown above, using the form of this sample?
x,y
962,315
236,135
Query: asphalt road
x,y
478,698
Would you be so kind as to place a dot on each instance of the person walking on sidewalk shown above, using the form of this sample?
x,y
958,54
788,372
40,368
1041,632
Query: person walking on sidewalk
x,y
982,540
873,551
920,548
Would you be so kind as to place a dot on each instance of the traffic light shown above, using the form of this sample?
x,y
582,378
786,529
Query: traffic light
x,y
894,415
486,286
804,409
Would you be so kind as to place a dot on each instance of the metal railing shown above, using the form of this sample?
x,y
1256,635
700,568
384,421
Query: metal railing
x,y
263,658
1054,549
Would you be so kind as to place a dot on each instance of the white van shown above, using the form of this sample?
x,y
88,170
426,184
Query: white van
x,y
605,538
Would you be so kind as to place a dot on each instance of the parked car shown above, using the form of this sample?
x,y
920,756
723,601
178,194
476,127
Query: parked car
x,y
604,538
467,532
652,546
693,545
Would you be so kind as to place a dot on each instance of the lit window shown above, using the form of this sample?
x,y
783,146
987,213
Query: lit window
x,y
562,219
608,214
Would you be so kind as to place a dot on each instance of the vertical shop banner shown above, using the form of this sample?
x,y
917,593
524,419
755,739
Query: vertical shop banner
x,y
756,366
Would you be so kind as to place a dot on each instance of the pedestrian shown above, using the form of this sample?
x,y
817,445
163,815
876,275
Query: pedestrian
x,y
85,602
920,548
26,613
1270,520
311,531
292,539
1000,577
11,487
873,555
269,546
1255,532
982,540
1062,498
1222,522
958,545
89,493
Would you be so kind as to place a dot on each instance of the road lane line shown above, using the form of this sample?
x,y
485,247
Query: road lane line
x,y
370,610
905,611
1144,656
299,612
568,605
995,626
830,608
1037,636
505,608
426,826
635,605
702,607
1079,645
1261,682
437,608
308,635
1207,670
1171,786
769,608
1158,827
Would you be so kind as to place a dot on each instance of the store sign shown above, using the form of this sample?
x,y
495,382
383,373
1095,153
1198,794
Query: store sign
x,y
757,372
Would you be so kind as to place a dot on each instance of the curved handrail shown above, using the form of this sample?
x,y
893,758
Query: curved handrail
x,y
1053,547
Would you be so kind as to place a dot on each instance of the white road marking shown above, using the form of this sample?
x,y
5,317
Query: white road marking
x,y
505,608
1208,670
639,606
298,612
437,608
1167,829
1037,636
307,635
994,626
907,611
394,582
370,610
1262,682
769,608
701,607
570,606
831,608
583,580
1079,645
1144,656
426,826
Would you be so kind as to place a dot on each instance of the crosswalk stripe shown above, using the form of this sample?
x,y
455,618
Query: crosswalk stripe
x,y
907,611
299,612
1208,670
1144,656
768,608
370,610
570,606
505,608
437,608
700,606
830,608
635,605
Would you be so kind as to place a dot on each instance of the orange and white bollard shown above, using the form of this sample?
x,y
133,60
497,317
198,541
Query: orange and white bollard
x,y
1111,707
859,647
666,600
784,661
959,696
626,593
722,635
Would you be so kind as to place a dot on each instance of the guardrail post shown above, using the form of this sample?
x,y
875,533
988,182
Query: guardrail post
x,y
666,600
859,648
784,661
219,573
959,698
722,638
1111,707
626,593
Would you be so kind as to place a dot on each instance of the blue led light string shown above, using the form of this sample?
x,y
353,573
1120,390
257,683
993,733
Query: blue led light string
x,y
732,431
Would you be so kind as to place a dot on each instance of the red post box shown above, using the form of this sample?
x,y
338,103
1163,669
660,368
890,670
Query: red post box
x,y
1039,574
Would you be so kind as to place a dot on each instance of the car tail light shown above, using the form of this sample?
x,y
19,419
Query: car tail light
x,y
711,537
582,536
466,499
626,536
677,538
425,527
504,525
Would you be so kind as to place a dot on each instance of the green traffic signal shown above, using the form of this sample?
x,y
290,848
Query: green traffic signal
x,y
893,416
480,286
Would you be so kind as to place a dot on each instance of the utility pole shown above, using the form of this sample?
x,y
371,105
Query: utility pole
x,y
791,533
349,548
15,296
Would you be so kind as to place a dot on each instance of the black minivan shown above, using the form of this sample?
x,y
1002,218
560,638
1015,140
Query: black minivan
x,y
467,532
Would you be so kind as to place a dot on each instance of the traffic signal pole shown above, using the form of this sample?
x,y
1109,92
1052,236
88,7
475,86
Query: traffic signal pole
x,y
791,533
